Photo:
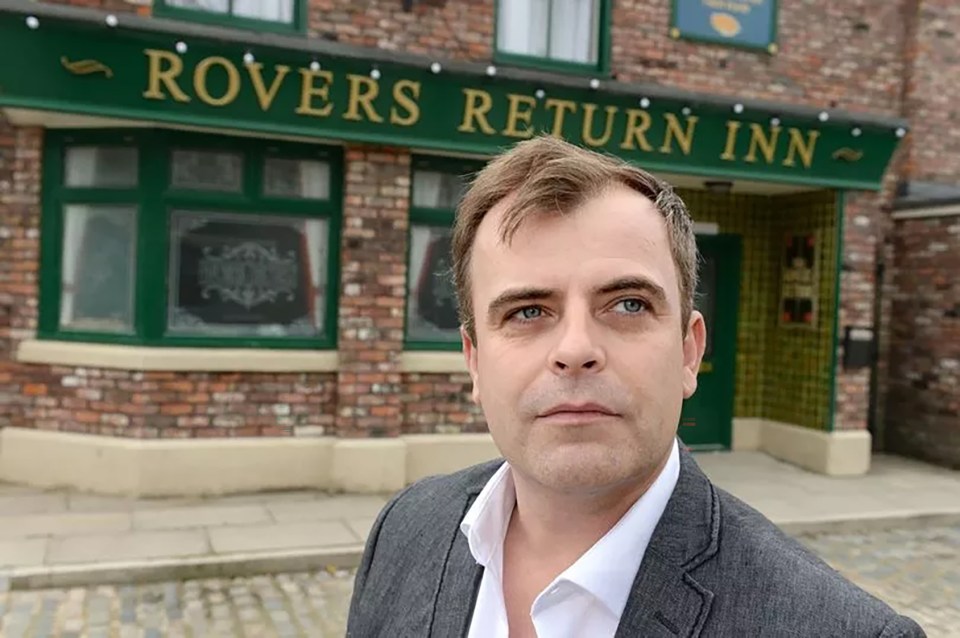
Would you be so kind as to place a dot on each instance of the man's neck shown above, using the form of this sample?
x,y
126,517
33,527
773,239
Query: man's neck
x,y
561,527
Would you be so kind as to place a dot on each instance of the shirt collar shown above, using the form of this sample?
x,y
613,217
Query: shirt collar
x,y
485,523
608,568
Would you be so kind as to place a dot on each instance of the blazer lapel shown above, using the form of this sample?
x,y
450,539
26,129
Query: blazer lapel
x,y
458,587
665,600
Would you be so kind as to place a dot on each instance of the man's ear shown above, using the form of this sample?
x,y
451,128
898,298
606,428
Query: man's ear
x,y
694,345
470,355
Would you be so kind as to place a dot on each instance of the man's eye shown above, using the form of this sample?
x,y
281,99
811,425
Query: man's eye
x,y
528,313
631,306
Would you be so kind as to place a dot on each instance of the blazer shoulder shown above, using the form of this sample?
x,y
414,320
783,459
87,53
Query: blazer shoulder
x,y
757,561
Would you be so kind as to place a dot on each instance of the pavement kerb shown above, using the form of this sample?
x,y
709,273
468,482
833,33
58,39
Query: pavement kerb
x,y
871,522
348,556
182,568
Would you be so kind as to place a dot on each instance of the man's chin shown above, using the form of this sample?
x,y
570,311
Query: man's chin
x,y
583,466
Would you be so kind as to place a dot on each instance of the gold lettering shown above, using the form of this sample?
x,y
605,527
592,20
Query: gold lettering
x,y
266,96
684,138
588,112
636,132
514,114
362,98
804,147
561,106
474,111
758,138
407,101
157,75
308,91
728,151
200,81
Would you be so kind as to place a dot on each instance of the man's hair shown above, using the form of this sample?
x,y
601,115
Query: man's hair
x,y
548,175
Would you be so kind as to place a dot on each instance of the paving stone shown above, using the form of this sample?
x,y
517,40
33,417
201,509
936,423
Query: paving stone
x,y
32,503
23,552
132,545
327,508
281,536
62,524
206,516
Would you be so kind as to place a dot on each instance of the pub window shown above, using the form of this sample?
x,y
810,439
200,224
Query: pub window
x,y
563,34
173,239
432,321
275,15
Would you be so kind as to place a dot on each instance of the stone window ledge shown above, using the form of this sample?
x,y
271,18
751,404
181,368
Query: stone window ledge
x,y
433,362
121,357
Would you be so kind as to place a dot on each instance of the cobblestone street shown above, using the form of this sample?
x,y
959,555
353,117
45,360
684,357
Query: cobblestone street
x,y
915,570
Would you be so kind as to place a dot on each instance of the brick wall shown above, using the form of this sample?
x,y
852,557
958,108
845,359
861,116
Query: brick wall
x,y
920,380
459,29
373,280
174,405
19,255
932,94
857,289
141,7
841,54
831,53
440,404
923,408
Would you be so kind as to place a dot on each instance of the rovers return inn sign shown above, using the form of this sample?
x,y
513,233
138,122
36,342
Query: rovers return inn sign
x,y
132,73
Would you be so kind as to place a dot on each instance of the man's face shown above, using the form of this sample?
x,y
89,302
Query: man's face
x,y
580,364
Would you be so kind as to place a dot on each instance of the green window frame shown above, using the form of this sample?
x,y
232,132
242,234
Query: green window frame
x,y
600,67
163,9
421,218
157,202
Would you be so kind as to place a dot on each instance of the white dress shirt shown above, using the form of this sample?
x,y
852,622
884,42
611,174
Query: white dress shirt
x,y
588,597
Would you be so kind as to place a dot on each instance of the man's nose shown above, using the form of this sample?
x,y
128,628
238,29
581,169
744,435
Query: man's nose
x,y
578,349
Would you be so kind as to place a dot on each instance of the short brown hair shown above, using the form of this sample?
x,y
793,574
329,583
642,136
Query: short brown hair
x,y
547,174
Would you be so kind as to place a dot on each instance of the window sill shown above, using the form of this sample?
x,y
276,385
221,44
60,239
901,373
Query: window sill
x,y
551,65
120,357
433,362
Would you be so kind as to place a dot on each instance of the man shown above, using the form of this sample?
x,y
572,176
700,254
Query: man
x,y
576,275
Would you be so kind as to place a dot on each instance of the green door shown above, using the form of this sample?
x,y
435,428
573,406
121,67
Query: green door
x,y
706,421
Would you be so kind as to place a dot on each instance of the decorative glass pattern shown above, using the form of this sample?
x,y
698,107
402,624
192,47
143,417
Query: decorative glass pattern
x,y
207,170
236,275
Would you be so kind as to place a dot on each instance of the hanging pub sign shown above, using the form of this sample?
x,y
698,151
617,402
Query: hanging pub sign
x,y
744,23
799,276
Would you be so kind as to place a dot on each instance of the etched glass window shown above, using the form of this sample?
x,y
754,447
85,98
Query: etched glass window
x,y
431,301
98,268
100,167
434,189
207,170
241,275
296,179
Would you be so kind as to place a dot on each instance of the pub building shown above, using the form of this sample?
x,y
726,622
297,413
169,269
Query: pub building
x,y
226,227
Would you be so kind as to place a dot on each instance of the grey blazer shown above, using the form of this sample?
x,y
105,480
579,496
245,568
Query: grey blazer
x,y
714,567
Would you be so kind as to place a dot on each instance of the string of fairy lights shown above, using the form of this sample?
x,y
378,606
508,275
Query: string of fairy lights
x,y
436,68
